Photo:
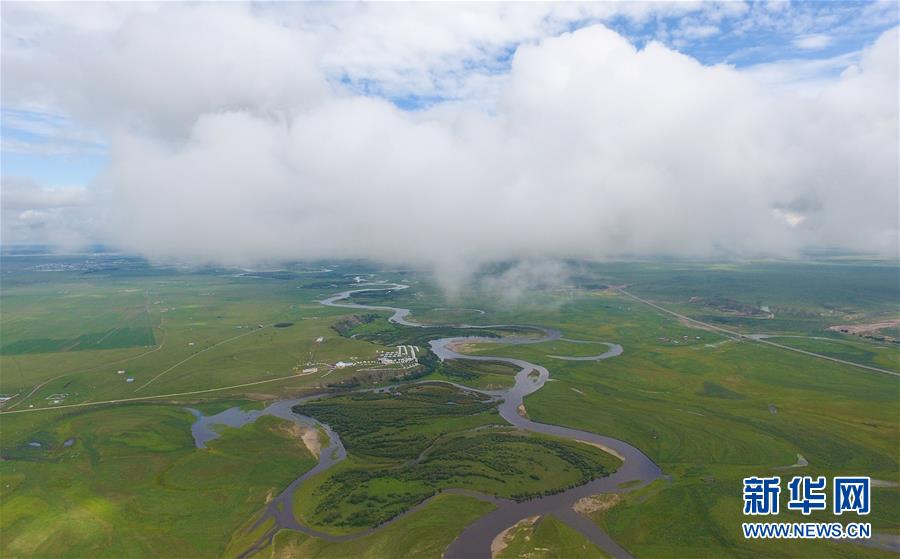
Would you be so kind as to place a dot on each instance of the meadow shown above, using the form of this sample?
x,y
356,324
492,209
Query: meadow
x,y
409,444
208,330
710,412
424,533
708,409
548,538
127,481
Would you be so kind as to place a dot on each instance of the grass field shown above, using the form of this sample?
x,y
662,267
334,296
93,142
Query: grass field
x,y
645,523
711,413
204,332
707,409
548,538
129,482
424,533
877,355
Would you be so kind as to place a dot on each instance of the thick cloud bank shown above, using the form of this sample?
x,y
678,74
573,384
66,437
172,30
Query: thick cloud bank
x,y
229,145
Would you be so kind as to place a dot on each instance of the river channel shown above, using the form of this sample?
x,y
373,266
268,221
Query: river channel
x,y
475,540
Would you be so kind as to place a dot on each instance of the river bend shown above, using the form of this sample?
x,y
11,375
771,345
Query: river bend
x,y
475,540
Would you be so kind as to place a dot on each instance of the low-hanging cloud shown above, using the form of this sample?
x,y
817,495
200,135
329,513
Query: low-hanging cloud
x,y
58,216
592,148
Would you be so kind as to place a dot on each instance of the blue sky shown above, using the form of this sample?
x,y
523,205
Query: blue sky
x,y
744,40
49,148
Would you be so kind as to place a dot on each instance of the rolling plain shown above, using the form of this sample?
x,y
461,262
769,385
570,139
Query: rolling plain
x,y
93,459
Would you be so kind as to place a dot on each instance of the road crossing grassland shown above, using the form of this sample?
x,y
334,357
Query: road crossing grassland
x,y
176,365
192,356
158,396
750,337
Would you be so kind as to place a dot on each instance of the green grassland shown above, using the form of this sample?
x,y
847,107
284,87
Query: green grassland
x,y
131,483
204,333
817,285
711,414
129,336
708,409
548,538
408,445
885,356
424,534
247,534
805,297
644,520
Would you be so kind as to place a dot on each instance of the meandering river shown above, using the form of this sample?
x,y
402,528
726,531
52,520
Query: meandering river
x,y
636,470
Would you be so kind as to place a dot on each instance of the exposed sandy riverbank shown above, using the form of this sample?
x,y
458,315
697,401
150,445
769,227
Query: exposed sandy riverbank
x,y
596,503
502,540
604,448
309,436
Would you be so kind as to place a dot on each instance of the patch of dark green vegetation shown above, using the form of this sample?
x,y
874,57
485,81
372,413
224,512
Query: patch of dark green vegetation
x,y
587,281
276,275
462,370
346,326
717,391
283,324
477,374
325,284
407,445
131,336
357,497
731,306
374,328
392,431
374,296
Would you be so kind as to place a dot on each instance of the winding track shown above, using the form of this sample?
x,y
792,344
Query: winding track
x,y
636,470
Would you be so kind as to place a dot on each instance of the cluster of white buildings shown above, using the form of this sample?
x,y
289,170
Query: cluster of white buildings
x,y
405,355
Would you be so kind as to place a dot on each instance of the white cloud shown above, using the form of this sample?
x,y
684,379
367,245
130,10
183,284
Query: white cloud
x,y
19,194
230,143
813,42
801,75
157,71
793,219
33,213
